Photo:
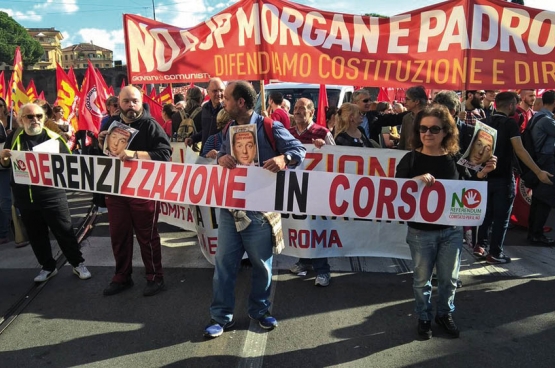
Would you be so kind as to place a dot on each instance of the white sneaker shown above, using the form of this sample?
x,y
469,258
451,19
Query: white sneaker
x,y
322,279
45,275
82,272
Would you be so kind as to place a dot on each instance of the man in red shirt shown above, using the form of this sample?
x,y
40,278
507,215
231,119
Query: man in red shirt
x,y
275,111
524,108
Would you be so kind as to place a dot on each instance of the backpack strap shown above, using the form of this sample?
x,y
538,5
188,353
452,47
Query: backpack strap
x,y
268,129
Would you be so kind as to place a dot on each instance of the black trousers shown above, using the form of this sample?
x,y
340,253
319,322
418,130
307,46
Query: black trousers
x,y
51,214
539,212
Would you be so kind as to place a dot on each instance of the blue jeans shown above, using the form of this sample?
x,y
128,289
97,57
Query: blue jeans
x,y
501,195
442,249
256,240
5,203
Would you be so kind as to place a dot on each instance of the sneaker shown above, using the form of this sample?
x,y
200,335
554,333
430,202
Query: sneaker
x,y
425,329
299,268
117,287
467,239
214,329
322,279
479,252
446,321
102,210
501,258
45,275
153,287
541,240
22,244
267,322
82,272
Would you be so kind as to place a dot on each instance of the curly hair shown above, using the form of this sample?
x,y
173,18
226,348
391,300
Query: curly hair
x,y
451,140
343,116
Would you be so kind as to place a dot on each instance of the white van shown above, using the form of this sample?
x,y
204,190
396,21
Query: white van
x,y
337,95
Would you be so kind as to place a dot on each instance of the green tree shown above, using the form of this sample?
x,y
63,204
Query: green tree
x,y
376,15
12,34
521,2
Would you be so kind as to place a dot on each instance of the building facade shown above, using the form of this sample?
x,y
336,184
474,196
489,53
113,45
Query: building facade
x,y
77,56
50,40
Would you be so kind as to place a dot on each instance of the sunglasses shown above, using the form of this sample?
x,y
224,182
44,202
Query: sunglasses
x,y
433,129
366,100
481,93
31,116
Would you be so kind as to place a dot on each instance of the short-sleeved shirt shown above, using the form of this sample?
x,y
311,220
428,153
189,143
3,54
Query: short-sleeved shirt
x,y
507,128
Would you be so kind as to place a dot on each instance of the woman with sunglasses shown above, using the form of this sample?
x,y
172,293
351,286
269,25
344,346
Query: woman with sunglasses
x,y
435,142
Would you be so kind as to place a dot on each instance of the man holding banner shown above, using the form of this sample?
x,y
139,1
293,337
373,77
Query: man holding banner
x,y
249,231
128,214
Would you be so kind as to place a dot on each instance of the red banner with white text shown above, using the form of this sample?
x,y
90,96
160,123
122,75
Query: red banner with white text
x,y
457,44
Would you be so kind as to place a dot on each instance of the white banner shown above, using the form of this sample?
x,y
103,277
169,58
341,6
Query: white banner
x,y
331,214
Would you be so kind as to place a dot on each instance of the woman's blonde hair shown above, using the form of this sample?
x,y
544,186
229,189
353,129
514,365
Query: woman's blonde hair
x,y
344,116
222,119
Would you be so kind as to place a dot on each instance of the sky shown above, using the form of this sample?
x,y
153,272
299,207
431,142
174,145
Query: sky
x,y
101,21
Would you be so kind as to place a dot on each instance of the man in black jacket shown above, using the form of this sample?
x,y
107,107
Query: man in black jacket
x,y
127,214
43,208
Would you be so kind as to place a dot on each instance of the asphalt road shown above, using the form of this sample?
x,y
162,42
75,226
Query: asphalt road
x,y
363,319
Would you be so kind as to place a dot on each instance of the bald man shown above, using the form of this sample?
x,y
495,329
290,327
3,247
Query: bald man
x,y
126,214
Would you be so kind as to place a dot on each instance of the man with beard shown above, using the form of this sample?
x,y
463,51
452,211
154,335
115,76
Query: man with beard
x,y
489,102
416,100
524,108
127,214
43,208
241,231
474,107
501,181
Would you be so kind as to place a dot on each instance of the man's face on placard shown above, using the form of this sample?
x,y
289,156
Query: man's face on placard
x,y
482,148
244,147
117,141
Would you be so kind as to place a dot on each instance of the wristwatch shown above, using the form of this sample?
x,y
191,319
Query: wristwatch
x,y
287,158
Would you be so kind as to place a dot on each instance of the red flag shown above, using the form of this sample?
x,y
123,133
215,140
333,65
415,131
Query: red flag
x,y
68,96
322,106
165,96
122,84
155,109
2,85
41,96
100,78
72,78
18,97
111,91
153,94
143,88
92,101
383,95
31,91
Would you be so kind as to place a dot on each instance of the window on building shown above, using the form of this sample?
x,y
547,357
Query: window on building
x,y
66,57
97,65
71,56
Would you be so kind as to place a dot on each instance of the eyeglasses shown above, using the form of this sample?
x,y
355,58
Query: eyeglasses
x,y
481,93
433,129
366,100
31,116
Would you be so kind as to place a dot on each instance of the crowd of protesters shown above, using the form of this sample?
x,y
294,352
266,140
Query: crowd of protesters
x,y
435,130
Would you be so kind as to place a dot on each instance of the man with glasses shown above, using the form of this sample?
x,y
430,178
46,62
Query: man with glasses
x,y
362,99
474,107
209,113
43,208
112,111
